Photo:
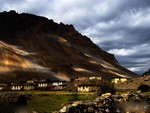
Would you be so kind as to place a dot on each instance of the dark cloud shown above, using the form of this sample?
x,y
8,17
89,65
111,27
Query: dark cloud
x,y
120,27
135,64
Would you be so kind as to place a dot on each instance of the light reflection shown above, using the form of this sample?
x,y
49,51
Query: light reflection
x,y
82,70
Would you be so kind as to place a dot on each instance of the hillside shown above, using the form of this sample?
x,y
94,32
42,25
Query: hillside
x,y
146,73
36,47
134,84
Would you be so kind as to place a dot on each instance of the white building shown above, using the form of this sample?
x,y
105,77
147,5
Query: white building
x,y
94,77
42,84
2,86
57,83
118,80
87,88
28,87
16,87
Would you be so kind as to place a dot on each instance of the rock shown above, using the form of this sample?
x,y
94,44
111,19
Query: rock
x,y
107,103
63,110
99,104
106,95
107,110
91,109
76,103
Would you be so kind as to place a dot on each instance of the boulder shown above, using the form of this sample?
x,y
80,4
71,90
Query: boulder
x,y
63,110
106,95
76,103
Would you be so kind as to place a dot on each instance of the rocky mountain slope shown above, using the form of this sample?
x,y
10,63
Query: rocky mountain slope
x,y
134,84
36,47
146,73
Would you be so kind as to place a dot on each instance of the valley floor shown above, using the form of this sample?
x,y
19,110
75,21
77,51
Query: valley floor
x,y
48,101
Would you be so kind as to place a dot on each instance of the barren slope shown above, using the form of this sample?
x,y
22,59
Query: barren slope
x,y
35,44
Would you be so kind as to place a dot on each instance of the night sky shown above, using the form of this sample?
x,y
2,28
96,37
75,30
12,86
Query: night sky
x,y
120,27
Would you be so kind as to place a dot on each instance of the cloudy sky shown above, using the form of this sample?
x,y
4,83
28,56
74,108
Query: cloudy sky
x,y
121,27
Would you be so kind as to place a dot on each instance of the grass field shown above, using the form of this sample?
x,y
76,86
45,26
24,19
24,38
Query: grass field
x,y
48,101
50,92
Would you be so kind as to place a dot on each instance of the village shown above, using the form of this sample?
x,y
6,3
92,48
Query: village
x,y
82,84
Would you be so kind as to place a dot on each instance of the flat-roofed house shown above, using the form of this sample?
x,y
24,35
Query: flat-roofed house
x,y
95,78
16,87
88,88
89,78
3,86
58,85
42,84
118,80
28,86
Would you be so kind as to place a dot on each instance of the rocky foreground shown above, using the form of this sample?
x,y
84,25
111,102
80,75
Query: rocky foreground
x,y
107,103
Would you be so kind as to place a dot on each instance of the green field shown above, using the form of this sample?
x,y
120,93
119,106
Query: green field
x,y
49,101
45,102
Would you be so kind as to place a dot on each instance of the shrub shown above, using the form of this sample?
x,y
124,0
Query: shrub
x,y
144,88
22,100
106,87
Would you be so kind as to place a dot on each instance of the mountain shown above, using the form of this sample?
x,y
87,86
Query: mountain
x,y
34,47
147,72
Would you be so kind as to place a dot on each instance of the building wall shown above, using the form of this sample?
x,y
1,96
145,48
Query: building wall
x,y
58,87
83,88
28,87
16,87
123,79
57,83
89,78
92,78
117,80
87,88
42,84
1,88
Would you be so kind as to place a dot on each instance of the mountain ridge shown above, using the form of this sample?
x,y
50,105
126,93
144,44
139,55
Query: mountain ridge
x,y
146,73
58,48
